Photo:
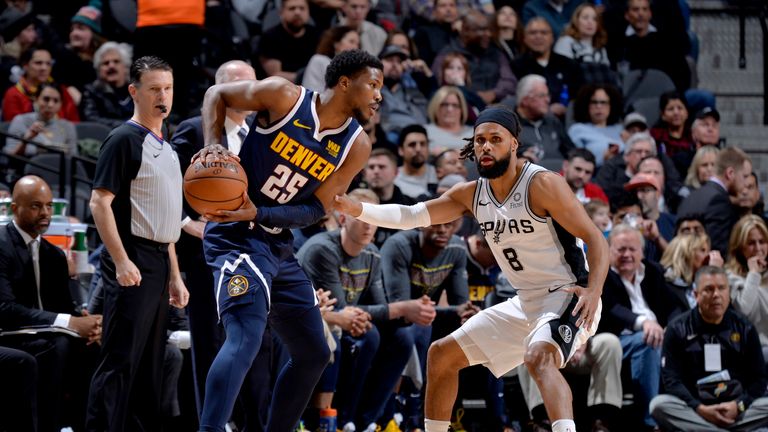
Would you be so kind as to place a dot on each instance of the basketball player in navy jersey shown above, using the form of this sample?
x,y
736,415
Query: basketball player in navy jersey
x,y
302,150
532,222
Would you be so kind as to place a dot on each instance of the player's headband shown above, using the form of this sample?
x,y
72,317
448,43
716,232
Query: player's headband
x,y
502,116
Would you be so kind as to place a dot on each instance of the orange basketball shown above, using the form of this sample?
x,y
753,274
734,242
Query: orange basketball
x,y
211,186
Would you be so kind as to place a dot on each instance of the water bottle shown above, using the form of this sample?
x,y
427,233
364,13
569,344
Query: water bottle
x,y
80,252
564,96
327,421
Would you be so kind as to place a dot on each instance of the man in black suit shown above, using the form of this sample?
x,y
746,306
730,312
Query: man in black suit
x,y
636,308
207,335
34,290
712,199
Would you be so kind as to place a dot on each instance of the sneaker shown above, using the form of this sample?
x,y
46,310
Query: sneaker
x,y
349,427
373,427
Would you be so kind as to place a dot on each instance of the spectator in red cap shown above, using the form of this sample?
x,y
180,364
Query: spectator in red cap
x,y
648,190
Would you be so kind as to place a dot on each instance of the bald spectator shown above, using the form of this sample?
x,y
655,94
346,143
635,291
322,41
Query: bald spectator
x,y
490,75
563,75
712,199
543,139
286,48
35,278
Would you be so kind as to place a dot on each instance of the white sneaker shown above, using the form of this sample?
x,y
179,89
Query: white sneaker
x,y
371,427
349,427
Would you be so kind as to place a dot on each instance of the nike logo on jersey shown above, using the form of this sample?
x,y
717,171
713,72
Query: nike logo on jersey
x,y
483,203
691,336
297,124
553,289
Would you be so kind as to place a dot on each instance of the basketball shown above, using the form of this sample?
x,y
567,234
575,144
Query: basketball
x,y
211,186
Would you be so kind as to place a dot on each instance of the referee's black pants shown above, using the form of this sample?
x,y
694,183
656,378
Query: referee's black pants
x,y
126,387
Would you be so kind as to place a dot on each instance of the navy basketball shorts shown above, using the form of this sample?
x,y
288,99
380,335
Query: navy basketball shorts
x,y
248,261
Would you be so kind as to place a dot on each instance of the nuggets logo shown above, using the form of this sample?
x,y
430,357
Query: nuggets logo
x,y
565,333
721,387
332,148
238,285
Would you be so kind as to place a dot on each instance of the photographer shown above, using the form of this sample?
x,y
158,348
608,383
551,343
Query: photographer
x,y
42,126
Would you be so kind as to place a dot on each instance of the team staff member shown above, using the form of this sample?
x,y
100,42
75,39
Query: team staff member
x,y
136,203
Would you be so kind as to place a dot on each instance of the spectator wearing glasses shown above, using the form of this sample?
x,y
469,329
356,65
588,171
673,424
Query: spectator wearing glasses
x,y
597,112
617,170
447,113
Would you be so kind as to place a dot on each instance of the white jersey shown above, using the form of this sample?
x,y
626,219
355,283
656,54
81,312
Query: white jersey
x,y
537,255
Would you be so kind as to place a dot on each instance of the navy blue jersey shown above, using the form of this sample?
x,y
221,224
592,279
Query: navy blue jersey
x,y
290,159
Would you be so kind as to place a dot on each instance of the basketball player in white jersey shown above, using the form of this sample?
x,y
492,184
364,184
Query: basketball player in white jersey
x,y
532,222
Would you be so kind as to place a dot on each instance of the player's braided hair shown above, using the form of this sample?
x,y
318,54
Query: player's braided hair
x,y
349,63
468,151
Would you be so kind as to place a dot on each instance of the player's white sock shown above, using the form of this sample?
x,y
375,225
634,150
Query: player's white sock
x,y
436,425
564,425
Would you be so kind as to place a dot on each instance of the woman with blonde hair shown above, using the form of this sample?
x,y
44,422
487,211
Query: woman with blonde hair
x,y
702,167
447,113
682,258
747,250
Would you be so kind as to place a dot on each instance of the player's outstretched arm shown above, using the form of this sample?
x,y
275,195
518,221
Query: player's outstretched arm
x,y
274,95
443,209
551,195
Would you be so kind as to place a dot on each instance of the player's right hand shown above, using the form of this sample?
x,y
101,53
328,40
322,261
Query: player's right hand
x,y
127,273
214,152
586,306
346,205
246,212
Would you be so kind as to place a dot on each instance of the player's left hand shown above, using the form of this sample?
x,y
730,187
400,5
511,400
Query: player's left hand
x,y
214,152
586,307
178,294
246,212
345,204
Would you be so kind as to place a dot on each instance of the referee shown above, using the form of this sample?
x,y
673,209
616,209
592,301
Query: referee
x,y
136,203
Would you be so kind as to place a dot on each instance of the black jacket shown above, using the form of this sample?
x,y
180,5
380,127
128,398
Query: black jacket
x,y
617,310
683,355
711,202
103,104
18,293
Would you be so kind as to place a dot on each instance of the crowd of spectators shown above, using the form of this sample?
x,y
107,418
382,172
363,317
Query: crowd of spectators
x,y
677,206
